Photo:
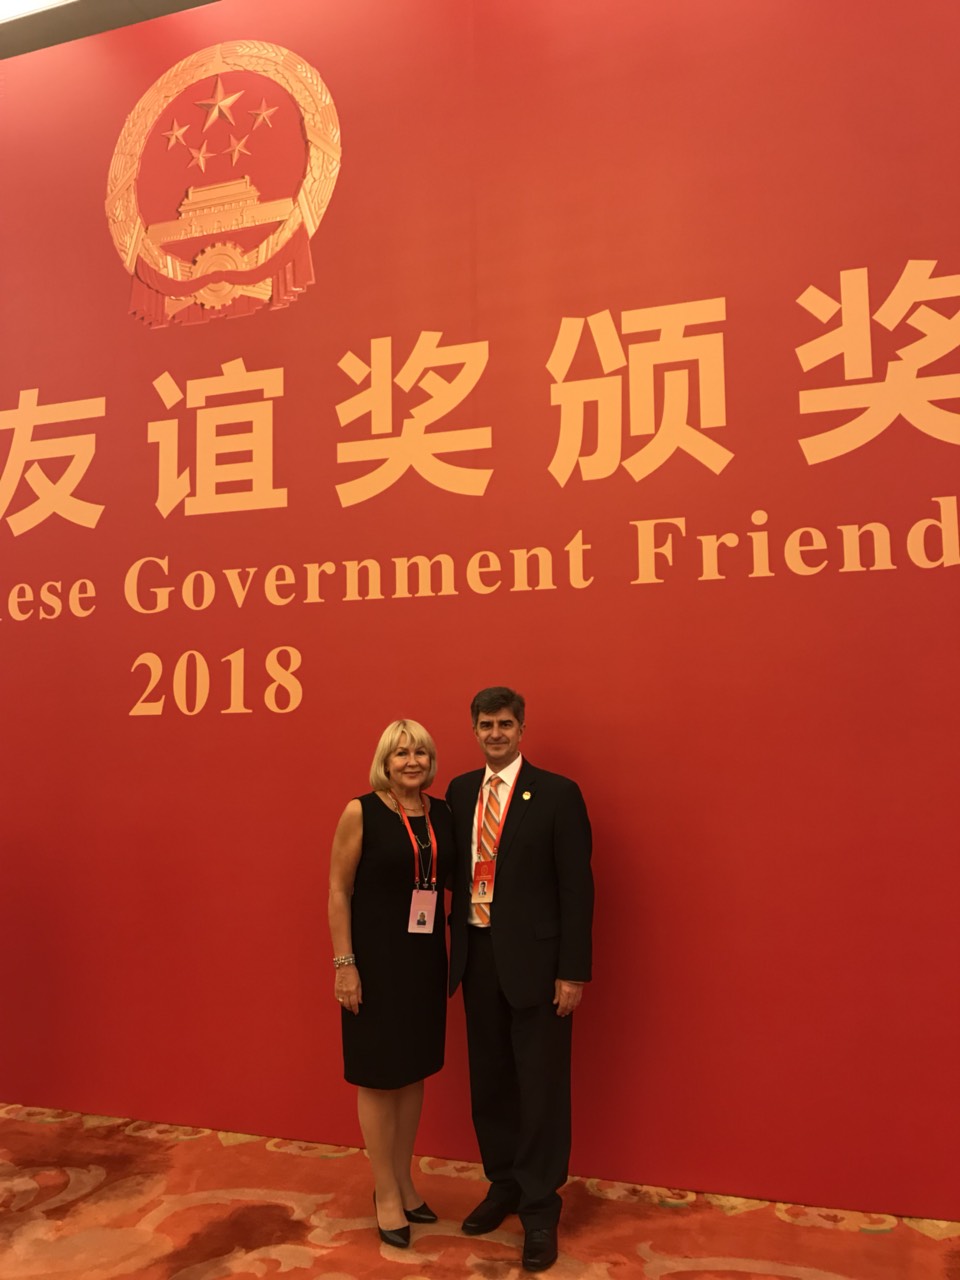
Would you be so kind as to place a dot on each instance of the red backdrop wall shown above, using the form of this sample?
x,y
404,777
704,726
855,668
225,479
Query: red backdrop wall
x,y
743,646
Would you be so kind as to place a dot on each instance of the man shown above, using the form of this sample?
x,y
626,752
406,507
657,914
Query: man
x,y
522,952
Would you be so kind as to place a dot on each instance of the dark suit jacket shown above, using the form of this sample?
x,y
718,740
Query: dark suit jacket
x,y
543,896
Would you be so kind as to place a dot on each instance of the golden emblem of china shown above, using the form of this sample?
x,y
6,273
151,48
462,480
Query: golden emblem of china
x,y
220,178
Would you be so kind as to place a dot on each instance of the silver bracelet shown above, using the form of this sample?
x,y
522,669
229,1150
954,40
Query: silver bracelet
x,y
340,961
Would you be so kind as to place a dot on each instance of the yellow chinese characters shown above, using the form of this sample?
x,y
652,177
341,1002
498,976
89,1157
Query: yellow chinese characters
x,y
413,446
904,391
241,459
646,361
26,455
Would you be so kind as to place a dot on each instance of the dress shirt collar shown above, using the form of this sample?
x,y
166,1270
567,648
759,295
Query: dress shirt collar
x,y
509,774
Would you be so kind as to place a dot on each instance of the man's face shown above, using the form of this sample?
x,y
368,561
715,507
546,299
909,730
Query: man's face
x,y
499,734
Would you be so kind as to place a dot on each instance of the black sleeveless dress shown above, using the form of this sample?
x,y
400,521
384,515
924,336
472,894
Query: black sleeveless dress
x,y
398,1035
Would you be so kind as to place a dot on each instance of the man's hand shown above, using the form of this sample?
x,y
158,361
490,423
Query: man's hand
x,y
566,996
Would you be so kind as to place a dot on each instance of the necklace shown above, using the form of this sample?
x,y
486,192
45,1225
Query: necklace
x,y
398,805
423,846
424,849
416,809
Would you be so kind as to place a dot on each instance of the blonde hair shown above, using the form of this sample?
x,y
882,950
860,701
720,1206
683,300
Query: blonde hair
x,y
390,740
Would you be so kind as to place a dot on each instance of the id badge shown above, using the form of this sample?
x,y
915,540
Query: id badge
x,y
423,904
483,877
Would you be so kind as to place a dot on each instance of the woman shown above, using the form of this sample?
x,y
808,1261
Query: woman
x,y
392,855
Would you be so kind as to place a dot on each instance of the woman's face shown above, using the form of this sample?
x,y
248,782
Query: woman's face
x,y
408,766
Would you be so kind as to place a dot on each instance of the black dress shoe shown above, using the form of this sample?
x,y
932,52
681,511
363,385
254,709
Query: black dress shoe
x,y
399,1237
487,1216
422,1213
539,1248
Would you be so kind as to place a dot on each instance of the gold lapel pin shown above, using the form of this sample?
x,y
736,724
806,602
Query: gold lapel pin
x,y
525,796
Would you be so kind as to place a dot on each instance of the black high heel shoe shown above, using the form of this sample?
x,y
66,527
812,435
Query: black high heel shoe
x,y
422,1213
399,1237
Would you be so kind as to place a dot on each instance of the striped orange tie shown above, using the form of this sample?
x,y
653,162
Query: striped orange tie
x,y
488,837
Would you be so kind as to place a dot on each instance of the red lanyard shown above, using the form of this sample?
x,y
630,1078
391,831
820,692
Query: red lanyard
x,y
417,868
481,805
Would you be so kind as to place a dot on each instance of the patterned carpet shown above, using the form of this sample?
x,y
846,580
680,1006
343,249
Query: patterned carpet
x,y
93,1198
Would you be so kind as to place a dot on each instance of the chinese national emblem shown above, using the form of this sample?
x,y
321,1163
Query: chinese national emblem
x,y
220,177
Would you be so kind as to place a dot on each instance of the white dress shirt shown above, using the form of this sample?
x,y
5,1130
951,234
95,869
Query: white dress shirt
x,y
508,777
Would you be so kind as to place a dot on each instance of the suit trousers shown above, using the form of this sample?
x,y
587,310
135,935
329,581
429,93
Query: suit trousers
x,y
519,1089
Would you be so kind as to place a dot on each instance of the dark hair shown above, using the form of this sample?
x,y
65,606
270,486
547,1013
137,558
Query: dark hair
x,y
495,699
